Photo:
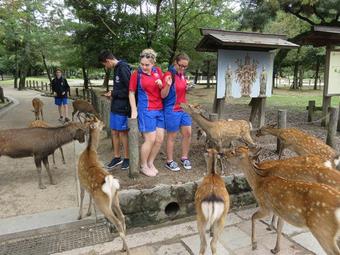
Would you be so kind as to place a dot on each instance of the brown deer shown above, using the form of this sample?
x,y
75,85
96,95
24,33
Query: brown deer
x,y
102,186
300,142
44,124
222,132
38,108
39,143
310,168
302,204
212,204
82,106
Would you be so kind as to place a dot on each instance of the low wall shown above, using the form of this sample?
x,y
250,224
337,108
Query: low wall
x,y
168,202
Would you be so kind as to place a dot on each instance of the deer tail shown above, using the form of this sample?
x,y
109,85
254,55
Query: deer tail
x,y
110,186
212,209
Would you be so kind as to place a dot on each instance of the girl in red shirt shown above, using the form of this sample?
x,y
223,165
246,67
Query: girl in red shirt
x,y
145,88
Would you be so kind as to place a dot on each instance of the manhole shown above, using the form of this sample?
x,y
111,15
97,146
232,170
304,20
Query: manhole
x,y
172,209
58,241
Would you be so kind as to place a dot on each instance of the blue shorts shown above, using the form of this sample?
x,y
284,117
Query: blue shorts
x,y
148,121
175,120
60,100
118,122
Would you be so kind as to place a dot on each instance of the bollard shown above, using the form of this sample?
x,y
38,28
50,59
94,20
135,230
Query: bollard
x,y
83,94
46,86
311,107
213,116
332,126
133,139
77,92
281,123
30,83
42,85
339,119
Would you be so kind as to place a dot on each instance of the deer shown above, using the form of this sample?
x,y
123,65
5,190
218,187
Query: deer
x,y
38,108
212,203
44,124
39,143
301,143
99,184
82,106
302,204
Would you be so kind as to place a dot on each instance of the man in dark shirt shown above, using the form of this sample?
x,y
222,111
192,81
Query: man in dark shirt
x,y
120,107
60,88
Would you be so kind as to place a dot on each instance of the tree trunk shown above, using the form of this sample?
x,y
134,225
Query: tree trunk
x,y
86,79
296,78
46,68
208,74
106,79
316,74
16,75
301,71
196,76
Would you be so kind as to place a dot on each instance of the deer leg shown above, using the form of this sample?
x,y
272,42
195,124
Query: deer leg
x,y
89,209
47,166
217,229
62,155
271,226
38,165
326,236
82,194
278,239
262,212
201,229
53,159
117,210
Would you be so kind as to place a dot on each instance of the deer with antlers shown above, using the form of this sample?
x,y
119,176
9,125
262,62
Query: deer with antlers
x,y
302,204
212,203
102,186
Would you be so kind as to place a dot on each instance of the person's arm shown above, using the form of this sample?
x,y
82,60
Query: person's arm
x,y
132,97
132,100
167,81
125,75
67,86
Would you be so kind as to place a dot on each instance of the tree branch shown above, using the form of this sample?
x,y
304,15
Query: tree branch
x,y
186,12
190,20
297,14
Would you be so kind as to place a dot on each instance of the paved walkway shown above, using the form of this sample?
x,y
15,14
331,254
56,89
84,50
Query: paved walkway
x,y
183,239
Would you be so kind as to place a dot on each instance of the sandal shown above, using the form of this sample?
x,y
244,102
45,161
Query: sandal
x,y
147,171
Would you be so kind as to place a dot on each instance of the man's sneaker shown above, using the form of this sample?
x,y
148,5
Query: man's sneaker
x,y
67,119
61,118
125,164
114,162
173,166
186,163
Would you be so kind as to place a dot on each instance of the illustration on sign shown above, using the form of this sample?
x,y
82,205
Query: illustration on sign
x,y
244,73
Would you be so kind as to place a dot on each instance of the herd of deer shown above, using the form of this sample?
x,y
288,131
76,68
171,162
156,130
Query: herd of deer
x,y
302,190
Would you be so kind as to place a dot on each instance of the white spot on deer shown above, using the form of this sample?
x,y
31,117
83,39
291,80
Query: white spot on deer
x,y
328,164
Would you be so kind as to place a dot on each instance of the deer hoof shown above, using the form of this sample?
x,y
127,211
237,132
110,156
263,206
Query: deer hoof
x,y
254,246
42,186
275,250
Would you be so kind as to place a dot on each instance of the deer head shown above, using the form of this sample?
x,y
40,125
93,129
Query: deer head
x,y
263,130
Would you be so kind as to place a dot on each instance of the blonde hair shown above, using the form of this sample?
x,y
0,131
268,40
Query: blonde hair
x,y
149,53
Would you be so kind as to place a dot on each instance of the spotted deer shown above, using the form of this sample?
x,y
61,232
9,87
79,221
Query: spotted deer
x,y
38,108
301,143
311,168
44,124
82,106
302,204
212,203
101,186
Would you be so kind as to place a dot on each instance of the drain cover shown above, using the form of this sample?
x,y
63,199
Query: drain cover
x,y
58,241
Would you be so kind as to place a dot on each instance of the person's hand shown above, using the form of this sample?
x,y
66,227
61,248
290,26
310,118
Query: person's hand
x,y
168,80
134,115
159,83
108,94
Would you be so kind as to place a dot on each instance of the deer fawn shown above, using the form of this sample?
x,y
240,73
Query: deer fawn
x,y
102,187
303,204
38,108
212,203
